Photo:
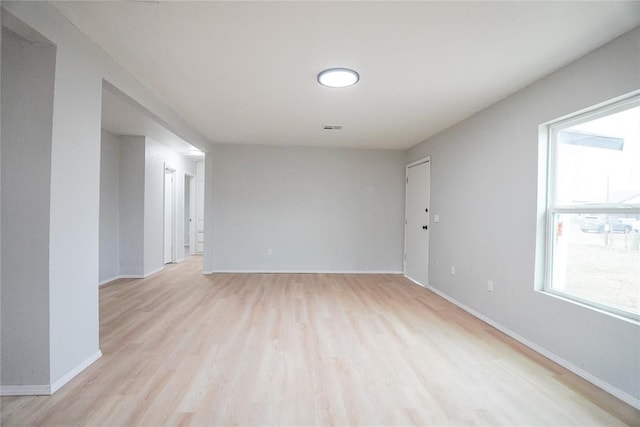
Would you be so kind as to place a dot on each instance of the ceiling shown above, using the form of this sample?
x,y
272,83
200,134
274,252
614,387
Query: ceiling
x,y
245,72
122,116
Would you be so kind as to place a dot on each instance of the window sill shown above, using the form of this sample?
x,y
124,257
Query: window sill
x,y
608,311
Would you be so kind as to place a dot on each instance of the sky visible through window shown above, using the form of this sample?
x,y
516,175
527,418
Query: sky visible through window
x,y
593,174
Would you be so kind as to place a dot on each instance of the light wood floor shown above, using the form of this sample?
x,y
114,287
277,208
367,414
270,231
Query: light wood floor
x,y
181,348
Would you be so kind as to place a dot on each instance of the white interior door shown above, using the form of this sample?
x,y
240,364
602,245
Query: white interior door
x,y
168,216
416,264
187,212
192,215
200,207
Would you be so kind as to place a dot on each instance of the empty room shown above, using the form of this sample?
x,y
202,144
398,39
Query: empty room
x,y
320,213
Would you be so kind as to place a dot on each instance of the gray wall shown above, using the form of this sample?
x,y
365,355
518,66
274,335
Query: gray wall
x,y
109,206
75,210
74,226
483,172
318,209
484,183
157,158
27,109
132,208
131,220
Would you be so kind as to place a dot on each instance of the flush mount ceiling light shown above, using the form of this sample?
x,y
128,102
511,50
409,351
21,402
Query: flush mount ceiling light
x,y
338,77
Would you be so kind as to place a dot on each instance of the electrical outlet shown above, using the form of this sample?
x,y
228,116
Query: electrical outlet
x,y
269,251
490,285
453,270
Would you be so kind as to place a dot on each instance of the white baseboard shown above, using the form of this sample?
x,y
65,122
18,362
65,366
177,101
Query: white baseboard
x,y
47,390
134,276
130,276
625,397
139,276
104,282
151,273
25,390
418,283
299,272
75,371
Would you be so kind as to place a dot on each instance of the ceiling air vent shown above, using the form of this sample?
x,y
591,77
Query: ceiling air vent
x,y
332,127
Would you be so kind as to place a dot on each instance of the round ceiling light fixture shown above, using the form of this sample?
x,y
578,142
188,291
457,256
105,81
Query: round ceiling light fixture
x,y
338,77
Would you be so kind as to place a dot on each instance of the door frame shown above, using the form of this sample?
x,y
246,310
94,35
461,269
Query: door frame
x,y
192,211
426,159
172,225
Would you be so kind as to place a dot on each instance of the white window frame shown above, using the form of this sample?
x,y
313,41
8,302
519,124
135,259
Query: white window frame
x,y
550,130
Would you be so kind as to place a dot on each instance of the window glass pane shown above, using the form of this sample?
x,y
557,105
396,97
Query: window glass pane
x,y
597,258
598,161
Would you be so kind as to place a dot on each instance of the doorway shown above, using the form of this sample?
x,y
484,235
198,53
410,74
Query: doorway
x,y
169,216
416,236
189,214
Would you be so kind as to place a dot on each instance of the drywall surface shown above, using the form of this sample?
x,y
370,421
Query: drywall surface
x,y
74,192
109,206
80,70
131,206
202,205
48,21
484,184
187,213
27,109
306,209
158,158
75,209
205,205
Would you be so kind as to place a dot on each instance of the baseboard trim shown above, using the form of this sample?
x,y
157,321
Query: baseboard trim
x,y
25,390
131,276
625,397
104,282
151,273
416,282
75,371
47,390
299,272
134,276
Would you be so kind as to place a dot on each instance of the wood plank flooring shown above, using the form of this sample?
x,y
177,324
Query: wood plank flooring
x,y
181,348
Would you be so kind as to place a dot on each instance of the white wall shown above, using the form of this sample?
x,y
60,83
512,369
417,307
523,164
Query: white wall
x,y
318,209
483,172
27,109
109,207
73,208
204,210
202,206
187,213
132,208
157,158
484,183
131,200
75,200
75,182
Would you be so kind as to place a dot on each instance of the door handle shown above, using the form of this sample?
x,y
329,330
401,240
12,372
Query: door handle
x,y
424,227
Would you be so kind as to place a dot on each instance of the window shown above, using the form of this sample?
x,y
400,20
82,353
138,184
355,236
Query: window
x,y
593,208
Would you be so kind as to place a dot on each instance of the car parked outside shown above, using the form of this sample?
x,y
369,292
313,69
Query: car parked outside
x,y
596,224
